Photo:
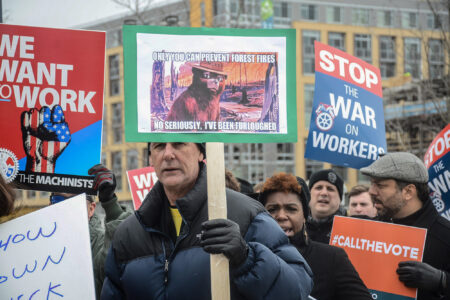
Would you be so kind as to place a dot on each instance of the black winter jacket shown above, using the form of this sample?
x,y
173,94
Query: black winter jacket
x,y
148,261
320,230
437,244
335,278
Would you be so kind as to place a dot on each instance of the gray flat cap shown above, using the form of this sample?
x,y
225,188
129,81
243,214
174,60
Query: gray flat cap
x,y
402,166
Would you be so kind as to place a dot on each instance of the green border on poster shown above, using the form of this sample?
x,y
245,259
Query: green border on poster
x,y
130,73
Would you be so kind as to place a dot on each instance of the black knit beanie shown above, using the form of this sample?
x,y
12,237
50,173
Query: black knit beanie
x,y
327,175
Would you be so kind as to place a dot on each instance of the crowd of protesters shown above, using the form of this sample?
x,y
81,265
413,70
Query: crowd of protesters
x,y
276,236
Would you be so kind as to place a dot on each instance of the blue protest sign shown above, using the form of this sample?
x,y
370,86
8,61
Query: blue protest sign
x,y
437,160
347,121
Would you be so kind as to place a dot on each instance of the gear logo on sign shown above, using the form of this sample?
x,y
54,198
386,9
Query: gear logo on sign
x,y
9,165
325,117
437,201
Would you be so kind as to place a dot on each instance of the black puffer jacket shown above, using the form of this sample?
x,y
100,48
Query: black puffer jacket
x,y
148,261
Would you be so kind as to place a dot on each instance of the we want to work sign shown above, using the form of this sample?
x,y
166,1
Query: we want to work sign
x,y
347,120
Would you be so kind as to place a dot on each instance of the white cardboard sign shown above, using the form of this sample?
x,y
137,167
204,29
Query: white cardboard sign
x,y
47,254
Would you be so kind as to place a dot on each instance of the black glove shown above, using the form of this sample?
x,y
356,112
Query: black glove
x,y
224,236
104,182
420,275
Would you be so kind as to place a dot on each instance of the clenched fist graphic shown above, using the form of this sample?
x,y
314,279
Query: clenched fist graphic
x,y
45,135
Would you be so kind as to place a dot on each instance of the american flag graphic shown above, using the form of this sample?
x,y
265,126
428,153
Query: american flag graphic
x,y
47,135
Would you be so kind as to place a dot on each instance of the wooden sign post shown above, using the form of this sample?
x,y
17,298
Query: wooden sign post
x,y
217,209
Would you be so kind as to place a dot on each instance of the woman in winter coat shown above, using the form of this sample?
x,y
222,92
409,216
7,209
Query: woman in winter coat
x,y
286,198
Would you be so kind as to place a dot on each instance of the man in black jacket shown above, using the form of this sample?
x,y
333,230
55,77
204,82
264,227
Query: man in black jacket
x,y
326,187
162,252
400,192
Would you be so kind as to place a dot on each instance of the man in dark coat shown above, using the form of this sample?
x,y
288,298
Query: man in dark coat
x,y
162,252
400,192
326,187
286,198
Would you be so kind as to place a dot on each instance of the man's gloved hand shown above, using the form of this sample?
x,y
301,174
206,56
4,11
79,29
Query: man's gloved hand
x,y
104,182
224,236
419,275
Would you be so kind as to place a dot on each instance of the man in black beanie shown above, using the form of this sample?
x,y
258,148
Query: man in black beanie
x,y
326,188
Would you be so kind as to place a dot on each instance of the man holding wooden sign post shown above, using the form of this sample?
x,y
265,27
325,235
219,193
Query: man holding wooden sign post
x,y
192,238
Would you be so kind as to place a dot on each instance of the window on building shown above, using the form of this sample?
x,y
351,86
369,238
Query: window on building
x,y
433,21
234,6
116,158
435,58
103,159
387,56
145,160
337,40
385,18
105,127
412,57
409,20
31,194
308,102
312,166
334,14
281,9
116,122
202,11
360,16
114,38
309,12
215,7
308,38
363,47
132,159
114,75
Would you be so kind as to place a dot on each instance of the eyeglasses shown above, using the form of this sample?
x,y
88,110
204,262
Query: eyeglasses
x,y
209,75
56,198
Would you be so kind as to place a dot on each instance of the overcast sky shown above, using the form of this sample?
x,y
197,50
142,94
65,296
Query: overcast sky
x,y
58,13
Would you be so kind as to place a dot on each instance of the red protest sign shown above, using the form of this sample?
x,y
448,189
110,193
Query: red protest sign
x,y
141,182
51,106
341,65
376,248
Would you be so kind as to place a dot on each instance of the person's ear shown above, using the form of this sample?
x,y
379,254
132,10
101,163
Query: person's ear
x,y
409,191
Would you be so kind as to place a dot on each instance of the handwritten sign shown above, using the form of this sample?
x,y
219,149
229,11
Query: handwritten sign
x,y
51,106
224,85
375,249
437,160
141,182
47,254
347,120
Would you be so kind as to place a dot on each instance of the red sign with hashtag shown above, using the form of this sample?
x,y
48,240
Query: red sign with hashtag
x,y
375,249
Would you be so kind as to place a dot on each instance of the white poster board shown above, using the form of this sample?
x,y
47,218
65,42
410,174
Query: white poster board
x,y
47,254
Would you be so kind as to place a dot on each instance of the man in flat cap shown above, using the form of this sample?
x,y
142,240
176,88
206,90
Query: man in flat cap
x,y
400,192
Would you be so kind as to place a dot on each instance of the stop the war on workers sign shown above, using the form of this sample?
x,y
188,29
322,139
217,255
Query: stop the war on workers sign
x,y
347,120
141,182
437,160
51,106
375,249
